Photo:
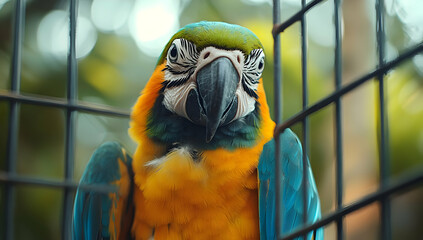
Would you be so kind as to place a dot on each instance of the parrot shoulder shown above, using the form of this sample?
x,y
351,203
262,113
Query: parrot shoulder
x,y
104,215
291,163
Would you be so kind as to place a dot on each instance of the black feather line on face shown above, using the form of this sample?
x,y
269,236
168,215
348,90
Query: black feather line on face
x,y
176,72
248,90
250,75
182,54
177,82
182,69
251,80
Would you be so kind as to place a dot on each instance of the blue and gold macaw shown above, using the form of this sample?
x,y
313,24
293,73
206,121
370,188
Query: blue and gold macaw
x,y
204,165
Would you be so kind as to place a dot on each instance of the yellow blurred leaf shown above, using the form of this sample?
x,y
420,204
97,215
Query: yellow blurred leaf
x,y
103,76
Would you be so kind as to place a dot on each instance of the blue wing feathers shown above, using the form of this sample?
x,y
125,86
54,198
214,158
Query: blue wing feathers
x,y
93,210
292,193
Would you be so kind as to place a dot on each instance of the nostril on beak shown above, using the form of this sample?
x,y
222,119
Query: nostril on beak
x,y
238,59
206,55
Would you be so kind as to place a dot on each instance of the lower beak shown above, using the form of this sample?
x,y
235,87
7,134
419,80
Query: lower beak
x,y
214,102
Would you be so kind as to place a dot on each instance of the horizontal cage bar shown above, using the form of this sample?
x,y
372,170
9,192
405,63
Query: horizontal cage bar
x,y
61,103
21,180
278,28
342,91
400,185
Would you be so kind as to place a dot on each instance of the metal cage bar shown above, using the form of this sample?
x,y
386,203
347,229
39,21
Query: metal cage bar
x,y
384,132
280,27
21,180
277,88
12,137
401,185
305,121
338,118
348,88
386,188
72,97
58,103
71,106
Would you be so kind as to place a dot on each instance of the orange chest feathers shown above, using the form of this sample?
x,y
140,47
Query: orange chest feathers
x,y
209,196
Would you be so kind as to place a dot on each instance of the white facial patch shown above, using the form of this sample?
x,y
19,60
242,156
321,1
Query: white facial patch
x,y
184,61
175,98
246,103
209,54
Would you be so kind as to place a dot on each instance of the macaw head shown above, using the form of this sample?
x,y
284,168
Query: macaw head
x,y
209,75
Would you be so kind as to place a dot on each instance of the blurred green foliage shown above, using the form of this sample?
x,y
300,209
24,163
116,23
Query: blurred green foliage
x,y
115,70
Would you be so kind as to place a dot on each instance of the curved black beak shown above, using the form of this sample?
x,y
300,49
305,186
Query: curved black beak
x,y
214,103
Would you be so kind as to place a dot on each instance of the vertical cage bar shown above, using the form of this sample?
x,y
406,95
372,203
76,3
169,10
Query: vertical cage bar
x,y
12,135
305,122
277,88
277,70
384,156
338,119
72,86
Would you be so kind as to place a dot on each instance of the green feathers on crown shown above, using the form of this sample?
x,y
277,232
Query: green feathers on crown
x,y
218,34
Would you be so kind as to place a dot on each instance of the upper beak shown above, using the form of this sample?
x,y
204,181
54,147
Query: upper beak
x,y
214,103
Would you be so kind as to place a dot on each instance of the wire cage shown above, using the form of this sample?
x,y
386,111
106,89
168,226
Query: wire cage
x,y
13,97
386,188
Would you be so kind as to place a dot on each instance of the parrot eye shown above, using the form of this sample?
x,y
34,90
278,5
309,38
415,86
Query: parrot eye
x,y
253,68
181,57
173,53
260,66
254,64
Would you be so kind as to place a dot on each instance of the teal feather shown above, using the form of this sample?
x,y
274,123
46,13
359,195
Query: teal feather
x,y
91,216
292,193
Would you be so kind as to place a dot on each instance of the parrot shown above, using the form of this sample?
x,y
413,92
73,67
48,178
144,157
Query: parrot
x,y
204,165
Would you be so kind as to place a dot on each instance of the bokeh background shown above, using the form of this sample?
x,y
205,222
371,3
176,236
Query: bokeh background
x,y
118,43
